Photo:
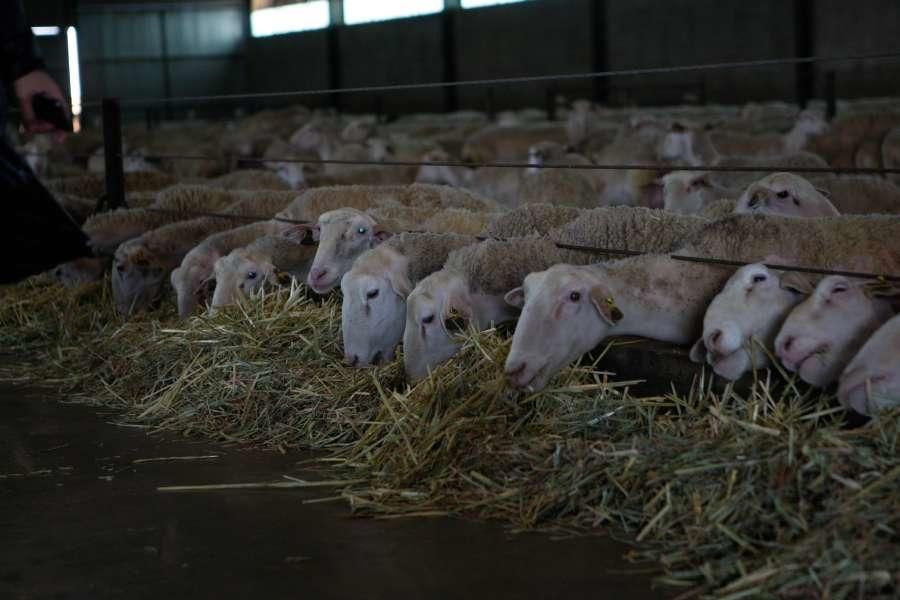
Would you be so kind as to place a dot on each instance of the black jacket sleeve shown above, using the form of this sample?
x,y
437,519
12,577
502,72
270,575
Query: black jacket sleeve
x,y
17,53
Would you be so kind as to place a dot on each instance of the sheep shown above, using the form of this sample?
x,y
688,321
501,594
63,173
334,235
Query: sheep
x,y
249,180
500,184
196,198
560,186
624,228
692,146
189,279
499,143
870,383
784,194
76,207
245,270
94,186
890,153
635,143
449,220
471,285
692,192
862,243
342,235
822,334
862,194
376,287
568,310
808,124
741,322
142,265
530,219
671,294
106,231
313,202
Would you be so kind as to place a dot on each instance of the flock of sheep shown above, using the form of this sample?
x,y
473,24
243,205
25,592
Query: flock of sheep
x,y
419,251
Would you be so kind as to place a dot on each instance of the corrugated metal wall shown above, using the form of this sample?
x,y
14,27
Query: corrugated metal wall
x,y
138,50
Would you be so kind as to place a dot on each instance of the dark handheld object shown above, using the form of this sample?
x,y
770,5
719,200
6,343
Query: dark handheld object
x,y
51,111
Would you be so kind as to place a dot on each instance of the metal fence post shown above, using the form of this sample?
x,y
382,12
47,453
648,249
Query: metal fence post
x,y
112,154
830,95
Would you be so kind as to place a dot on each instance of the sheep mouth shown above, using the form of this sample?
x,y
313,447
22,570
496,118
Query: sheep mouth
x,y
818,352
730,365
529,381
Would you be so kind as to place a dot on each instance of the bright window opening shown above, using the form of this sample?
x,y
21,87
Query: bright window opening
x,y
74,77
366,11
480,3
42,31
304,16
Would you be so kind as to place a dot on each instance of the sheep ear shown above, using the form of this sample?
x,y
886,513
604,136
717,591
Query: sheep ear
x,y
515,297
698,351
603,301
297,233
824,192
400,282
796,282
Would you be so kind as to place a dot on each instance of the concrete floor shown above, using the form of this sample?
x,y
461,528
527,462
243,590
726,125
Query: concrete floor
x,y
79,519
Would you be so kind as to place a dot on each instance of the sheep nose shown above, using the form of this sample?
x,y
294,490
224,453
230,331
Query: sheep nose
x,y
351,360
376,358
714,338
318,274
784,346
515,368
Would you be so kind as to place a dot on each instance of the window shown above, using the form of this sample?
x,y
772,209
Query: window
x,y
74,77
45,31
271,17
365,11
480,3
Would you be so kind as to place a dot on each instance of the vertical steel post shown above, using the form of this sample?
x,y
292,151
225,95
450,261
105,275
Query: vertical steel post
x,y
112,153
830,94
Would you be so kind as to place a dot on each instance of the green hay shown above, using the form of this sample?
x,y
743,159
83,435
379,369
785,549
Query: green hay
x,y
748,495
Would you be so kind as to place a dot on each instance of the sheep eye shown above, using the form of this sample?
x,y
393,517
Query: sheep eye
x,y
251,275
372,294
575,296
700,183
754,200
361,230
428,320
759,278
783,194
839,289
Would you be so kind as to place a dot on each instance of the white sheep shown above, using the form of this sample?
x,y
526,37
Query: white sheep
x,y
376,287
784,194
822,334
245,270
692,192
861,194
568,310
808,124
142,265
469,288
499,143
871,381
741,322
192,277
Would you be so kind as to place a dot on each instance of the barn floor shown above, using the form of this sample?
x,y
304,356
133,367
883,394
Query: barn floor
x,y
79,519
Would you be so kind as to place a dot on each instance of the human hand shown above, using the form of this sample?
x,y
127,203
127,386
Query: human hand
x,y
26,87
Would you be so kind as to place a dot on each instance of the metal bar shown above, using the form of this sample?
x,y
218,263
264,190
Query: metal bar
x,y
599,48
519,165
112,149
448,43
830,94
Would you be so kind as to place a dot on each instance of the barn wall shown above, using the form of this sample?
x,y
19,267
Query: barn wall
x,y
151,49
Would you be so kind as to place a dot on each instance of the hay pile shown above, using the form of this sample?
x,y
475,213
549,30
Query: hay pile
x,y
736,496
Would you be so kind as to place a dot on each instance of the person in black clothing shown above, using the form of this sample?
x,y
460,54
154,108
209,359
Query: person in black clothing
x,y
35,232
